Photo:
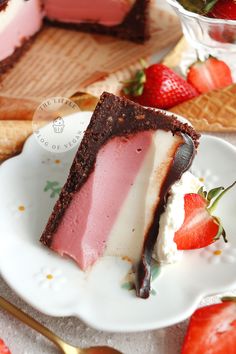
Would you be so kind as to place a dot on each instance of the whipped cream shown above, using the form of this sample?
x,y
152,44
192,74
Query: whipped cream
x,y
171,220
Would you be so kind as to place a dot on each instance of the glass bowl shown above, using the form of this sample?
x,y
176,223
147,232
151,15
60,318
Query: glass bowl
x,y
207,35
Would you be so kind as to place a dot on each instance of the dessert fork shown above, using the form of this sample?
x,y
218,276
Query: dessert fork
x,y
62,345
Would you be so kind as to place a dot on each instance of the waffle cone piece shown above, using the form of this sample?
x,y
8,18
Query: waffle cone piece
x,y
214,111
13,136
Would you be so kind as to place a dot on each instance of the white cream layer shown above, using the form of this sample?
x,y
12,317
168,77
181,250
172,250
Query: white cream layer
x,y
127,235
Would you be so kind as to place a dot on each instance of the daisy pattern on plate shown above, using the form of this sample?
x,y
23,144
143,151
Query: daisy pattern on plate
x,y
56,163
48,278
209,179
53,187
20,208
219,252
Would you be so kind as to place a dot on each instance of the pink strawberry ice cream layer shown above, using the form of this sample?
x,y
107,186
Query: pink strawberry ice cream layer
x,y
19,21
105,12
85,227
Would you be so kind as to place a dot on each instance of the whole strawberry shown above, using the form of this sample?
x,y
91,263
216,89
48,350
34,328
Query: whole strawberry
x,y
225,9
209,75
160,87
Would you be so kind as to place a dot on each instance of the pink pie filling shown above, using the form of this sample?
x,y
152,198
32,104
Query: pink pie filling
x,y
26,21
105,12
87,222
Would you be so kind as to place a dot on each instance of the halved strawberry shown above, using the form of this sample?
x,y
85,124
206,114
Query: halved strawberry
x,y
3,348
212,329
200,227
210,74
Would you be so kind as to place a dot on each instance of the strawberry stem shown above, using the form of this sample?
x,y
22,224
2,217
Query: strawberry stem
x,y
212,208
209,6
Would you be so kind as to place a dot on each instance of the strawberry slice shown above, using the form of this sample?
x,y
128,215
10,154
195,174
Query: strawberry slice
x,y
159,86
200,228
212,329
3,348
209,75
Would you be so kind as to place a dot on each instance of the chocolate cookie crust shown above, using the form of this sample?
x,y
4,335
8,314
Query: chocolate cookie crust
x,y
134,27
9,62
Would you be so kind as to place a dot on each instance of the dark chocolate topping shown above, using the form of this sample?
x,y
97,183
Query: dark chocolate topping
x,y
115,116
134,27
3,4
181,163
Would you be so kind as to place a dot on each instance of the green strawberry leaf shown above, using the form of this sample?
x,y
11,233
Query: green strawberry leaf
x,y
202,193
213,206
126,90
139,90
140,76
221,231
214,192
135,86
212,198
209,6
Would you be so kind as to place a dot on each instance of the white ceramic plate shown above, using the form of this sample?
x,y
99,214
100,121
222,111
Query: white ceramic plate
x,y
57,287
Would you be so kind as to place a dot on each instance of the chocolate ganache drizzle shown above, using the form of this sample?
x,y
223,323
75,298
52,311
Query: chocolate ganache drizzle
x,y
181,163
3,4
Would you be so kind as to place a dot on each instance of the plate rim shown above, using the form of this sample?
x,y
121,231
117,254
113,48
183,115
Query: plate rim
x,y
89,321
